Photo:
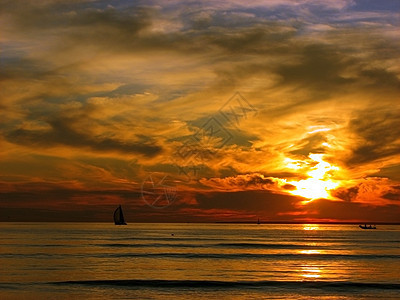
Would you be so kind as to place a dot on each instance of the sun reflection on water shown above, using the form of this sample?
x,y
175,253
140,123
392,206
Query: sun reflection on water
x,y
310,227
309,271
310,251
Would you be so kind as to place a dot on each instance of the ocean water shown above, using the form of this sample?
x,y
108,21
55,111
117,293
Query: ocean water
x,y
198,261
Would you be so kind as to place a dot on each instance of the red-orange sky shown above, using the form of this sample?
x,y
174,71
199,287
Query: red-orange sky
x,y
208,111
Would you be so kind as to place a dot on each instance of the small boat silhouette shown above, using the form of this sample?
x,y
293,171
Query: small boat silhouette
x,y
365,226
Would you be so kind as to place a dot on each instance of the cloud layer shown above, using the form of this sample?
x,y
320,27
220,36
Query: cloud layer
x,y
96,96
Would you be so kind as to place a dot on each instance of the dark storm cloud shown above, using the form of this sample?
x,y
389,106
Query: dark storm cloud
x,y
388,5
311,144
22,68
57,203
391,171
231,32
347,194
31,17
289,187
378,133
322,71
337,210
35,191
320,66
380,78
278,207
62,133
394,194
105,28
242,182
255,201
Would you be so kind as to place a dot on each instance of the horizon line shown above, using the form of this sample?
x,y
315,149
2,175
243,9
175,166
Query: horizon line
x,y
222,222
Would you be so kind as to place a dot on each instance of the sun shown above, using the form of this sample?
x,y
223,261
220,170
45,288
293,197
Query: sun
x,y
313,188
319,181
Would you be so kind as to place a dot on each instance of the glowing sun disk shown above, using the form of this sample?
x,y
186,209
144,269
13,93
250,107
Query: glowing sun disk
x,y
317,185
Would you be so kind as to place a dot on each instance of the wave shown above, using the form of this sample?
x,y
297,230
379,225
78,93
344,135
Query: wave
x,y
168,237
247,245
222,245
265,246
252,256
228,256
234,284
209,245
289,256
153,245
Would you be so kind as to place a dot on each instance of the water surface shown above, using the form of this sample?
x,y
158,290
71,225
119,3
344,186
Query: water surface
x,y
202,261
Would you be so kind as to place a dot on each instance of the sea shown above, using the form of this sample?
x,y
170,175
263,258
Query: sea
x,y
198,261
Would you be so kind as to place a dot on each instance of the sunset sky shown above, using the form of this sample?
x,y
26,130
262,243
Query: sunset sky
x,y
207,110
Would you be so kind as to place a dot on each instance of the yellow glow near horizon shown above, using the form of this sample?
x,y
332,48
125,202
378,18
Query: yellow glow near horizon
x,y
310,227
318,184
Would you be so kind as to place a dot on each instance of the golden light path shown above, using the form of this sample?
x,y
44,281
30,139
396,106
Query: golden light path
x,y
319,182
310,227
310,272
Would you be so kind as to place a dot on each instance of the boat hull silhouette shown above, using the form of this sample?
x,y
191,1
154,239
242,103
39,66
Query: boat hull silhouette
x,y
367,226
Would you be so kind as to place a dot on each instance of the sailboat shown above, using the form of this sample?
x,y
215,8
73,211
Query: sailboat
x,y
119,216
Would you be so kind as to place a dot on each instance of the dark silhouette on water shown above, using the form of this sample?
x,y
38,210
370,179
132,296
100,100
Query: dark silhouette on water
x,y
119,216
367,226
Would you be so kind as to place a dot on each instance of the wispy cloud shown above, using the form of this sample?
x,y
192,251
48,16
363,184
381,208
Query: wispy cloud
x,y
98,94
